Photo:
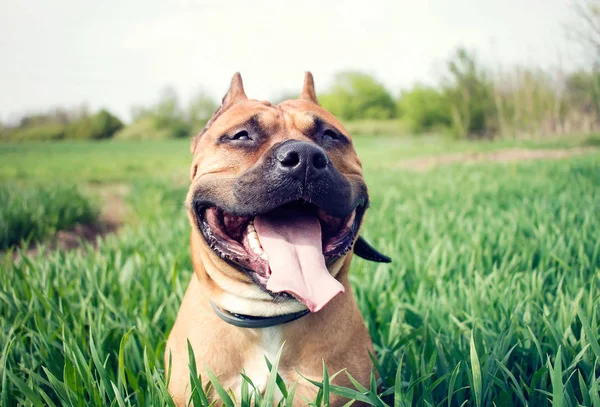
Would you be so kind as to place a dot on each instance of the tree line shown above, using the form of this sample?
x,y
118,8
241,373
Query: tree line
x,y
165,119
470,100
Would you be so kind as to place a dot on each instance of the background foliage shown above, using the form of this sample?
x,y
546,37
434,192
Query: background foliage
x,y
471,100
355,95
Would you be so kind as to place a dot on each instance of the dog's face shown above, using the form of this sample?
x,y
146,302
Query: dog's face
x,y
278,193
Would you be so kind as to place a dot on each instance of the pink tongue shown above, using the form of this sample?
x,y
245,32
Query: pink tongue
x,y
293,244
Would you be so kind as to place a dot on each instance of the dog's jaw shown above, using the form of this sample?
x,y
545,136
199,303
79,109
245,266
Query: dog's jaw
x,y
236,292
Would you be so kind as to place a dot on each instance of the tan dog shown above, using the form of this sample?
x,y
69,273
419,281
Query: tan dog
x,y
276,202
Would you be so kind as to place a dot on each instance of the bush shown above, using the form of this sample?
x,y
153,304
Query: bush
x,y
37,212
54,127
583,92
356,96
102,125
425,109
143,128
168,115
46,131
200,110
391,127
167,119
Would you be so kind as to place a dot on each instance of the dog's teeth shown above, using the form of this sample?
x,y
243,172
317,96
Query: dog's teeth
x,y
256,247
255,243
253,240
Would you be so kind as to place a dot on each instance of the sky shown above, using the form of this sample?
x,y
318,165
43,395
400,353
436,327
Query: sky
x,y
119,53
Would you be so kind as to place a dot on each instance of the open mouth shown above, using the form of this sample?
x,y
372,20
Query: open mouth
x,y
285,250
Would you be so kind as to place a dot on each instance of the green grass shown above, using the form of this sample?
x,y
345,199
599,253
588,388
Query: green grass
x,y
95,162
33,212
492,297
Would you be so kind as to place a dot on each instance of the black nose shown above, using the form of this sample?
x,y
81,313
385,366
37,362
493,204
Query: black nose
x,y
301,159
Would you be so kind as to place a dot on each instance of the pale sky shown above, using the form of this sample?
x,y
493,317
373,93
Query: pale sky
x,y
117,53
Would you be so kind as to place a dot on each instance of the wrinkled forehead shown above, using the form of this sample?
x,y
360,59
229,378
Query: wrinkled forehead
x,y
299,115
305,113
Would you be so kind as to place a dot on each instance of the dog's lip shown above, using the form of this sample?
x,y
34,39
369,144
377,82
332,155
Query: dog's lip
x,y
358,210
198,206
259,276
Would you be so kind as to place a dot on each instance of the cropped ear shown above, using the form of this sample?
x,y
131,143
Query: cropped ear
x,y
308,91
363,249
234,94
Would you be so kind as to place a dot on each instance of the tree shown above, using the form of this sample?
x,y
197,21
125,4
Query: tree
x,y
425,108
168,115
584,29
102,125
356,95
470,93
200,110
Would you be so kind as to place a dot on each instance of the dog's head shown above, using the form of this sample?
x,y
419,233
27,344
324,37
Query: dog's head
x,y
277,194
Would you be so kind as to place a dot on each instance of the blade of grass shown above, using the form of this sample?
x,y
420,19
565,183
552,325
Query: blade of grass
x,y
452,383
269,395
280,382
122,377
558,398
398,402
325,386
476,373
289,401
197,395
227,402
32,397
589,333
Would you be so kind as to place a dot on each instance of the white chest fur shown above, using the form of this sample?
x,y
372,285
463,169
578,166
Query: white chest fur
x,y
256,367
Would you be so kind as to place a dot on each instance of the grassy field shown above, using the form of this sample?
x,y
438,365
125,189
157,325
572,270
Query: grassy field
x,y
492,298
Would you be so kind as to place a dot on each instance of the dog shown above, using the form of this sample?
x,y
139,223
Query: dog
x,y
276,202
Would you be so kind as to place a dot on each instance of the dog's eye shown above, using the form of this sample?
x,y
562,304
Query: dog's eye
x,y
329,135
241,135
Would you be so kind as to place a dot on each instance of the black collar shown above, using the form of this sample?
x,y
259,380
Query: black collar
x,y
250,321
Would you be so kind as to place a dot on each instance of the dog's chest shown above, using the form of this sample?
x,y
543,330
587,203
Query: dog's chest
x,y
256,367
